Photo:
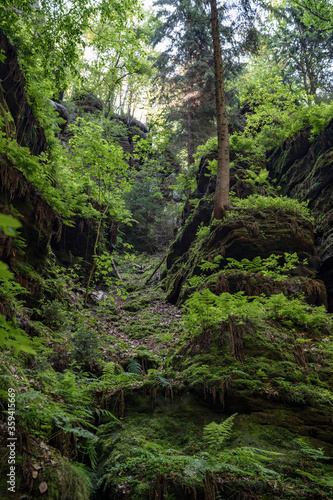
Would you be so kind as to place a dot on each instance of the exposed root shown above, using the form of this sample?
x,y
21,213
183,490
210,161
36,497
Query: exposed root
x,y
300,357
236,333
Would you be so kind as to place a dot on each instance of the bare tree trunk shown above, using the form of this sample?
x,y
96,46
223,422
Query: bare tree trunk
x,y
222,201
124,101
92,271
307,63
190,139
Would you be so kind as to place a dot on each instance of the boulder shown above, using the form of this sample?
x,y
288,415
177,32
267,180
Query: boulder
x,y
63,113
248,236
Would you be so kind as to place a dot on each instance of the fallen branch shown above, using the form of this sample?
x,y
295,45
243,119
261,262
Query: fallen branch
x,y
116,271
141,269
156,269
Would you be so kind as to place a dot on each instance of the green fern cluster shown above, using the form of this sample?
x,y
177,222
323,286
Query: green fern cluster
x,y
267,267
257,202
205,310
216,435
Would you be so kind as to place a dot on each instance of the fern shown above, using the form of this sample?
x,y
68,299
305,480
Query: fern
x,y
262,203
134,366
108,371
92,454
216,435
105,413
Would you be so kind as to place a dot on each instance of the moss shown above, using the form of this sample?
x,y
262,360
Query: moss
x,y
136,304
167,452
65,480
246,235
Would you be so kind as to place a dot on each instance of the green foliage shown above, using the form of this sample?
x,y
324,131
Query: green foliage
x,y
57,28
99,168
156,378
186,29
62,406
309,451
206,149
250,461
145,202
154,214
54,315
14,338
260,178
205,311
108,370
134,366
11,337
267,267
120,52
206,265
263,203
202,233
217,434
85,342
277,110
8,225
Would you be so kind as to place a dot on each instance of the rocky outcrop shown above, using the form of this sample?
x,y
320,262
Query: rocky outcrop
x,y
78,239
13,99
63,113
40,223
304,170
18,196
131,122
87,103
200,213
248,236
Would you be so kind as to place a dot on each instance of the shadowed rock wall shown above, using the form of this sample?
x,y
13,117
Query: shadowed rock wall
x,y
304,170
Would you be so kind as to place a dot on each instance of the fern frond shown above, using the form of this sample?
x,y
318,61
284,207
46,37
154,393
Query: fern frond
x,y
106,413
216,434
134,367
108,370
92,454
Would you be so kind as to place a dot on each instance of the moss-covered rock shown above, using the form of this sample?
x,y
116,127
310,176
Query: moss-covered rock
x,y
304,169
248,236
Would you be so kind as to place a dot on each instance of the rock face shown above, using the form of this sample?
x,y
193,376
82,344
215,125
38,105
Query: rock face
x,y
131,122
39,220
41,224
304,170
18,196
13,99
201,214
129,130
88,103
78,240
63,113
247,236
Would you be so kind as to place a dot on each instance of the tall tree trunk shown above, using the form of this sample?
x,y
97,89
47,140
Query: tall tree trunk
x,y
306,60
122,112
190,139
222,201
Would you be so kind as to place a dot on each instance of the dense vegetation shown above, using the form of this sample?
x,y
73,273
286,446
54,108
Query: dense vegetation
x,y
148,350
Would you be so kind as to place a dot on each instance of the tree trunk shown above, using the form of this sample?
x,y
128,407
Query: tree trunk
x,y
122,112
222,201
190,139
309,72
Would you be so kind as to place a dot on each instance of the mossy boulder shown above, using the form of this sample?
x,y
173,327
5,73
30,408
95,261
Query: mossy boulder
x,y
247,236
